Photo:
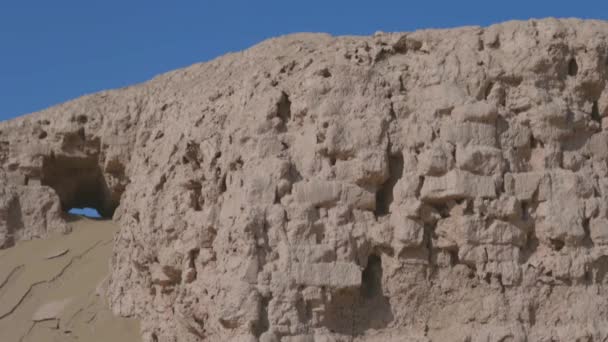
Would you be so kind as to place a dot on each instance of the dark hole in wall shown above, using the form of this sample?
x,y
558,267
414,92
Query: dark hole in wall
x,y
525,207
454,259
284,108
488,90
598,270
82,119
595,112
587,239
572,67
4,146
557,244
371,278
79,183
384,196
354,311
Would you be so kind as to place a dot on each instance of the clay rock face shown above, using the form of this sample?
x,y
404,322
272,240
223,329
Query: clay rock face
x,y
442,185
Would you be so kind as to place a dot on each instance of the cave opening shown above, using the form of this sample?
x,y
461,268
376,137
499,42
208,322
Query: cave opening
x,y
80,185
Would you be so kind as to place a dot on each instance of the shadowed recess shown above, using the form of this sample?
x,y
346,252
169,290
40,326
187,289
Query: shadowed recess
x,y
79,183
384,196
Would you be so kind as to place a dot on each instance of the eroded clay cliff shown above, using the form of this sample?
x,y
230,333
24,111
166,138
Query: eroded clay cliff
x,y
440,185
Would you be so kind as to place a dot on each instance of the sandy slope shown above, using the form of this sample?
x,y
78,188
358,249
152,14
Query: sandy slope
x,y
49,288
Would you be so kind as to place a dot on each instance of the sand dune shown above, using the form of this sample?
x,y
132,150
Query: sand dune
x,y
49,289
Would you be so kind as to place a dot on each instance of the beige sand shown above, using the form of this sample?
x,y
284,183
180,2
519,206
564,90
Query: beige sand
x,y
48,288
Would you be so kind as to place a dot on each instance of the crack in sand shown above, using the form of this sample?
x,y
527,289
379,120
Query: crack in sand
x,y
57,276
10,274
76,276
28,331
92,318
80,310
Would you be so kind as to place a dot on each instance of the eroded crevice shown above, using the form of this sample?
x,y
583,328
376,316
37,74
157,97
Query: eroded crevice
x,y
384,196
587,241
4,148
371,278
263,324
191,274
222,186
195,194
557,244
488,90
595,112
572,67
284,108
598,270
325,73
161,183
354,311
454,259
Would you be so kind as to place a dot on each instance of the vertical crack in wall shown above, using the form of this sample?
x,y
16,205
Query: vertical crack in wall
x,y
572,67
384,196
263,324
284,110
371,278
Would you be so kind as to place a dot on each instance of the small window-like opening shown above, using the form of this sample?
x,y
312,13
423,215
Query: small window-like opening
x,y
88,212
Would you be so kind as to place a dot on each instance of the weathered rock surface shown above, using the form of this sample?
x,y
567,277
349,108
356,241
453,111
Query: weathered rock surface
x,y
440,185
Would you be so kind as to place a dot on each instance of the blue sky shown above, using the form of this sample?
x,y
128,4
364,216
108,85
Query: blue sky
x,y
53,51
90,212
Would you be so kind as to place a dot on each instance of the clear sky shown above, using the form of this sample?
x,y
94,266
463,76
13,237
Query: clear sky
x,y
89,212
53,51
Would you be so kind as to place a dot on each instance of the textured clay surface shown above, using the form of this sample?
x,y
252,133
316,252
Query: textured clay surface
x,y
440,185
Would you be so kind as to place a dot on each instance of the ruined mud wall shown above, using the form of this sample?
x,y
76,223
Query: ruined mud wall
x,y
430,186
